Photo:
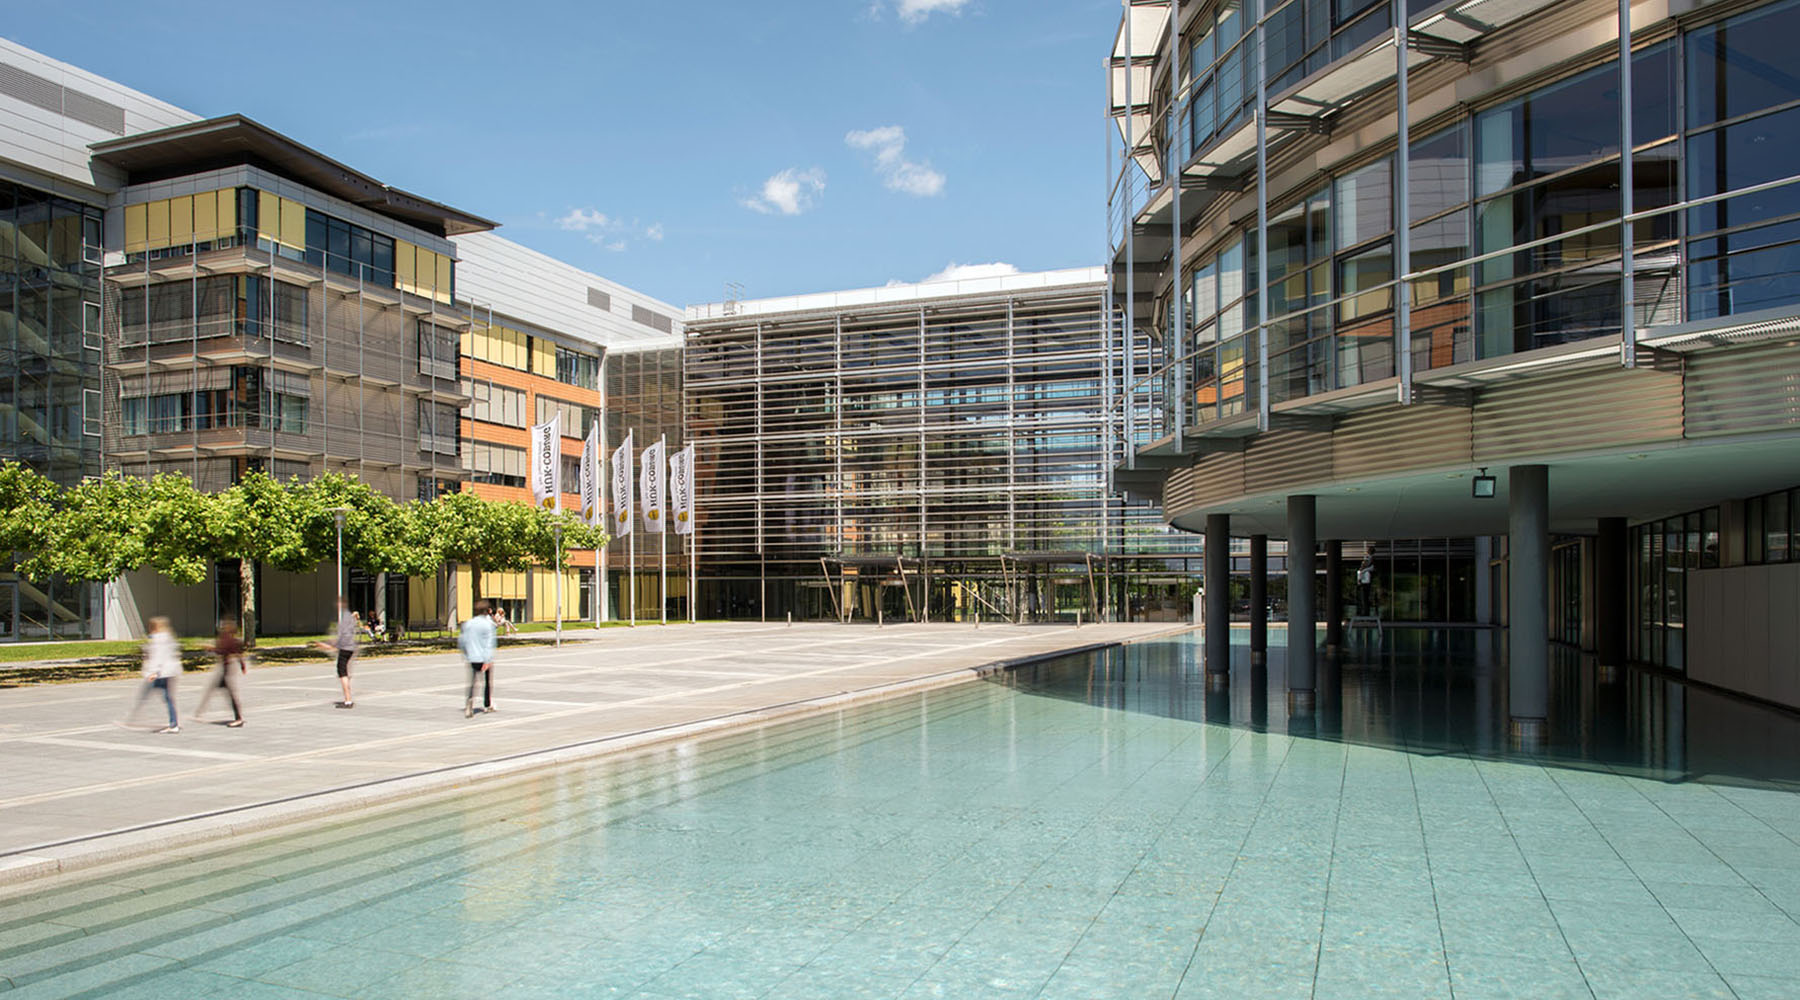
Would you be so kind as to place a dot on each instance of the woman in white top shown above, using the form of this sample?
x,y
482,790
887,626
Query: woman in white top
x,y
162,664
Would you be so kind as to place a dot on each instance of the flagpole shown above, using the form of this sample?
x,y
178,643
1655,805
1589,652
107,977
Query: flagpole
x,y
558,570
662,537
693,508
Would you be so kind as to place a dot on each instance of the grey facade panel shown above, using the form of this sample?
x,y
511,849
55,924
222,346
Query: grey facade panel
x,y
1576,413
1743,391
52,96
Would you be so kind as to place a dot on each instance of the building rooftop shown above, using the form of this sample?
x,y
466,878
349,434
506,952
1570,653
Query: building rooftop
x,y
897,293
234,140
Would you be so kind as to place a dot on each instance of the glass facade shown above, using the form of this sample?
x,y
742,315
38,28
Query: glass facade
x,y
50,334
1772,528
966,438
1529,184
1662,554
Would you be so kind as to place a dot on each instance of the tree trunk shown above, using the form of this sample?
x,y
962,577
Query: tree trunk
x,y
474,582
447,592
247,600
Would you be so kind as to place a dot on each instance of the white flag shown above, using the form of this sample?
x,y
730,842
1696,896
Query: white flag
x,y
653,492
621,488
681,483
546,463
590,476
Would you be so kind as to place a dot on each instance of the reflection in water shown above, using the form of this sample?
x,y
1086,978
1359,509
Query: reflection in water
x,y
1444,691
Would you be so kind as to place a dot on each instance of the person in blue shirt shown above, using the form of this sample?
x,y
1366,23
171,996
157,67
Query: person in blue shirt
x,y
478,641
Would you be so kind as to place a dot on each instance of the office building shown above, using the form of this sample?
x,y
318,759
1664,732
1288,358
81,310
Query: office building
x,y
932,451
1379,255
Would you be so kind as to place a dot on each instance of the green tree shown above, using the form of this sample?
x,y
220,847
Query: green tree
x,y
488,535
27,502
99,531
258,521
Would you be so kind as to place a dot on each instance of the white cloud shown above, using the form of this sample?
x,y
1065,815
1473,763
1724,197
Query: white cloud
x,y
964,272
789,192
916,11
898,173
605,231
580,220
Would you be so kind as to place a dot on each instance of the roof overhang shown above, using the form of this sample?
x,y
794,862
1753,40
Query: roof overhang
x,y
234,140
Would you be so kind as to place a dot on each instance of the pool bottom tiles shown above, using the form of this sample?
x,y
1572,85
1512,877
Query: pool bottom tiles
x,y
1009,839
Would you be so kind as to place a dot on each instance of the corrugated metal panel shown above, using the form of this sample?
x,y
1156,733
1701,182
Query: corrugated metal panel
x,y
1286,458
1400,439
1743,390
1214,479
1577,413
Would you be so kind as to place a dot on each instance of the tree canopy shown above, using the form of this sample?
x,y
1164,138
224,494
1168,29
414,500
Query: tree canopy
x,y
113,524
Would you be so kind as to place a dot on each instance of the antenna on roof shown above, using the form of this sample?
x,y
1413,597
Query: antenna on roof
x,y
734,293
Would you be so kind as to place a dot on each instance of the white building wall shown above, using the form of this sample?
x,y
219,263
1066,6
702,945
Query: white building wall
x,y
53,147
519,282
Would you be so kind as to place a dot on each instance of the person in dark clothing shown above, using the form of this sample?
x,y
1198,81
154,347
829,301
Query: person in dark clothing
x,y
345,646
230,651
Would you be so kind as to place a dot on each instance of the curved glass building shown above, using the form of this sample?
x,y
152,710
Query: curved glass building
x,y
1483,268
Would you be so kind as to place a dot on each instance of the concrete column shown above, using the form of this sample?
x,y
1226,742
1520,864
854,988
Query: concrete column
x,y
1334,596
1528,603
1218,600
1612,568
1302,616
1259,600
1484,591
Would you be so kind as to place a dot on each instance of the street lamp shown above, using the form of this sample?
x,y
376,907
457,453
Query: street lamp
x,y
337,514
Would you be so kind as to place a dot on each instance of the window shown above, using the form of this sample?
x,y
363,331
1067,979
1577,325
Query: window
x,y
577,369
1772,528
438,428
349,249
576,418
289,302
495,404
438,351
90,412
497,464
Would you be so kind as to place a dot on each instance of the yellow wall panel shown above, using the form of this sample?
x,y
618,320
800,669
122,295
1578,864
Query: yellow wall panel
x,y
543,358
468,343
268,216
206,217
181,220
404,265
443,278
159,224
293,224
137,227
228,219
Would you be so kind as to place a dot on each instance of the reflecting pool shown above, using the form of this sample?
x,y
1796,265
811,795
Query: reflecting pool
x,y
1094,829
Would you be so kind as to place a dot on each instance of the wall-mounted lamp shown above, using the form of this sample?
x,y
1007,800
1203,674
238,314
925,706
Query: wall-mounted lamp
x,y
1484,485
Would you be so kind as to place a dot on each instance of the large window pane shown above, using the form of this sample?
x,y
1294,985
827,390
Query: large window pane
x,y
1743,64
1364,204
1438,173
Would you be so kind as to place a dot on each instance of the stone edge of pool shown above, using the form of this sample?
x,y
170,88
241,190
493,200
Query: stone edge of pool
x,y
24,872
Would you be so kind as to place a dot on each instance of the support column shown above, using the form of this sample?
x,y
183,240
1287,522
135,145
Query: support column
x,y
1612,564
1259,600
1302,636
1218,601
1334,596
1528,603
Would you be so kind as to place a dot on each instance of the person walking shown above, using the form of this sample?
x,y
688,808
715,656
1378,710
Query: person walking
x,y
162,664
477,641
230,651
345,646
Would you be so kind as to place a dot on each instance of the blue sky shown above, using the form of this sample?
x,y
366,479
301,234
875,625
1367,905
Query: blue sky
x,y
793,146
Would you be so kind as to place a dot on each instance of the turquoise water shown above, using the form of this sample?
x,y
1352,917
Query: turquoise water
x,y
1009,839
